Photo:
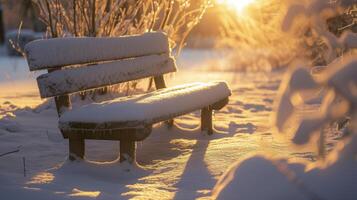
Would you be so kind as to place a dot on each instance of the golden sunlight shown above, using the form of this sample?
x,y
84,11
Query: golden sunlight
x,y
42,178
80,193
238,5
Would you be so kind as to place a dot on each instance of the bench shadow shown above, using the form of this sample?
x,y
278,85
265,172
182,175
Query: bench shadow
x,y
172,142
196,180
102,180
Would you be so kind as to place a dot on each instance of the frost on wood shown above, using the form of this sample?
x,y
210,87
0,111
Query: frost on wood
x,y
42,54
93,76
152,107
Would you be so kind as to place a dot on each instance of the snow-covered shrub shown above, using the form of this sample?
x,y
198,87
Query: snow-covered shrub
x,y
323,26
337,78
16,40
107,18
340,84
264,37
255,37
334,177
261,177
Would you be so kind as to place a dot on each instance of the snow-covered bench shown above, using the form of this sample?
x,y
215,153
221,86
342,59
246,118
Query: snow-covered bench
x,y
78,64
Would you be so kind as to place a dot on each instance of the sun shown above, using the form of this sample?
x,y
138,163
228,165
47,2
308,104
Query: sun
x,y
238,5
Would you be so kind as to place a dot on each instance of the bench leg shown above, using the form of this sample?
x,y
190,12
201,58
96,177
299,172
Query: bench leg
x,y
206,120
76,148
127,151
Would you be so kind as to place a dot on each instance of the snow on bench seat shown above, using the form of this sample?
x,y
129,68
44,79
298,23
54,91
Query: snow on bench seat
x,y
147,108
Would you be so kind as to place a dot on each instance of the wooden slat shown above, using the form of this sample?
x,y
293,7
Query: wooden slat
x,y
135,134
72,80
53,53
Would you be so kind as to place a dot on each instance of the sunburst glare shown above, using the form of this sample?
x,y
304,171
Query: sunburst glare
x,y
238,5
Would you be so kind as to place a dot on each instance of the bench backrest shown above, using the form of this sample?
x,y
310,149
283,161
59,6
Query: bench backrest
x,y
88,63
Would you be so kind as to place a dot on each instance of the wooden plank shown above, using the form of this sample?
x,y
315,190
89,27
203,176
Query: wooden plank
x,y
72,80
135,134
57,52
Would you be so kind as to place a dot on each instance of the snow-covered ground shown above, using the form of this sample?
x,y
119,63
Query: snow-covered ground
x,y
181,163
17,84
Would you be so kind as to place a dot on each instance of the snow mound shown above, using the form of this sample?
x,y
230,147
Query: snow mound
x,y
262,178
6,124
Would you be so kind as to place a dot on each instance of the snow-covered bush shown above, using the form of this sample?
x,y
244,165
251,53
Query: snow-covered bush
x,y
16,41
320,24
337,78
107,18
255,37
340,84
276,32
334,177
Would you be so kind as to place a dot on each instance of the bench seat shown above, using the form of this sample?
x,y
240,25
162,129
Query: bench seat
x,y
140,111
